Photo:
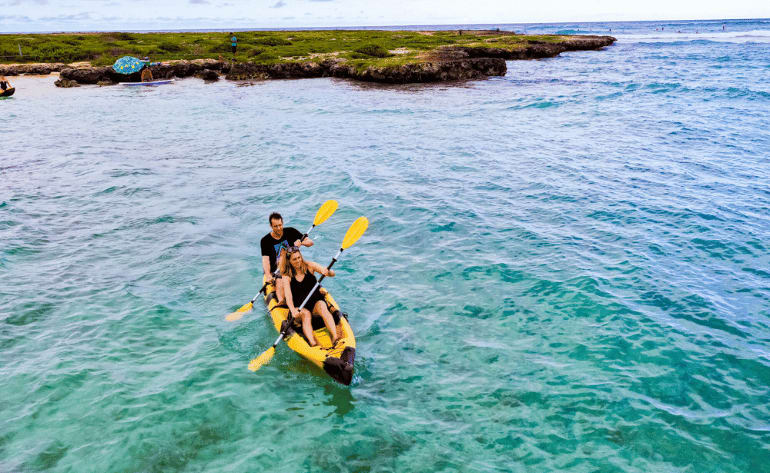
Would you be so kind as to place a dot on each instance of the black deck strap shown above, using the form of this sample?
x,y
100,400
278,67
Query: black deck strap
x,y
289,331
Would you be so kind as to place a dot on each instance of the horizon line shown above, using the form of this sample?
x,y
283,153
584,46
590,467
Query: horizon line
x,y
368,27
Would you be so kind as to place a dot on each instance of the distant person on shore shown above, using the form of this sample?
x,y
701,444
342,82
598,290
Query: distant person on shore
x,y
4,84
146,72
233,43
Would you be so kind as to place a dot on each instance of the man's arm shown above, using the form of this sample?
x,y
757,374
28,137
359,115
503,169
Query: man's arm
x,y
266,268
306,242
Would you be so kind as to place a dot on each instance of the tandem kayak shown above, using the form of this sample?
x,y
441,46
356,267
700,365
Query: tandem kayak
x,y
7,92
337,360
155,82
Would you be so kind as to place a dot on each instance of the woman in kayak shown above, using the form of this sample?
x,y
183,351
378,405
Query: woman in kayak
x,y
298,280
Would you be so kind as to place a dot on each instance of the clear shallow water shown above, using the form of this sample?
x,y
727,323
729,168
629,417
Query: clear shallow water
x,y
566,269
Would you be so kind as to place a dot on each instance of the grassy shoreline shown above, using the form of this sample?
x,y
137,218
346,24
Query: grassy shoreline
x,y
359,48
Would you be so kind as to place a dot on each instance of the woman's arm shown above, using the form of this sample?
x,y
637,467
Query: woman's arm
x,y
320,269
286,281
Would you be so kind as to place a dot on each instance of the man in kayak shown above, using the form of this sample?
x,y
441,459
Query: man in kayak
x,y
273,245
4,84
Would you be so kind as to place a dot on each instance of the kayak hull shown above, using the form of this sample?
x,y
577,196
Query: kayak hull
x,y
7,92
337,361
150,83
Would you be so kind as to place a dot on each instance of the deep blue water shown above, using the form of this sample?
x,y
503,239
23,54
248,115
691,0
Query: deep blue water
x,y
566,268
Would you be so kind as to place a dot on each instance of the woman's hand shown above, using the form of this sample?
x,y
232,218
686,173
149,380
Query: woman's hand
x,y
330,273
294,312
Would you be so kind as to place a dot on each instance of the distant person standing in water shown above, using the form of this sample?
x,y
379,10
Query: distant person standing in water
x,y
146,72
233,43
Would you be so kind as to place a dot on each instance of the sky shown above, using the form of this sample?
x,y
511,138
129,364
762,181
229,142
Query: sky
x,y
111,15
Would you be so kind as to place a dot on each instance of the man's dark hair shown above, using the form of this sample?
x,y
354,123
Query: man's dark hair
x,y
274,216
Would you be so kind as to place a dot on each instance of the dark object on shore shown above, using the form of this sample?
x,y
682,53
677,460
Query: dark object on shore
x,y
208,75
66,83
8,92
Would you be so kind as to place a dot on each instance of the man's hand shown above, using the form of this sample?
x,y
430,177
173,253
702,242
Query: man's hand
x,y
298,243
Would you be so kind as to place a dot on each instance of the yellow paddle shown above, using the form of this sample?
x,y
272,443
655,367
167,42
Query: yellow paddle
x,y
326,211
353,234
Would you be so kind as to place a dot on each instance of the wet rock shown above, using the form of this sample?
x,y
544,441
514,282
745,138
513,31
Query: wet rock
x,y
434,71
87,75
105,83
18,69
208,75
284,70
536,49
66,83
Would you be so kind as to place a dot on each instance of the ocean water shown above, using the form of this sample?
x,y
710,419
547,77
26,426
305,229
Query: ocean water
x,y
566,268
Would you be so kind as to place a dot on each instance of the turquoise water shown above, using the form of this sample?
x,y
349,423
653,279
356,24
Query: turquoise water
x,y
566,268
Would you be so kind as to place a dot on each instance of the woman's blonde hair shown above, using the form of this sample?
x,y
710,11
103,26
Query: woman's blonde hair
x,y
287,269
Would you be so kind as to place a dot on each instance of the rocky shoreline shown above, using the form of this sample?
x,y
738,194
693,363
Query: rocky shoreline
x,y
448,63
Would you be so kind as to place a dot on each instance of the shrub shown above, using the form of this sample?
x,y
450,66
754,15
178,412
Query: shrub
x,y
267,56
272,41
220,48
372,50
169,47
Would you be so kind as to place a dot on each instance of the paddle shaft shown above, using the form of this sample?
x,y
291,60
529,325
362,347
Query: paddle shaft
x,y
302,306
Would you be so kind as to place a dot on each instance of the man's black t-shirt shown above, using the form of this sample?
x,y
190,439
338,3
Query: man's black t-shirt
x,y
272,247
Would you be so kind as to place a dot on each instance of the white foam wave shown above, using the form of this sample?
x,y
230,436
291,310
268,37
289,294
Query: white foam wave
x,y
753,36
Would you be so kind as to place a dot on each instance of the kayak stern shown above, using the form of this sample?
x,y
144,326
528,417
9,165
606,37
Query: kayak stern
x,y
341,369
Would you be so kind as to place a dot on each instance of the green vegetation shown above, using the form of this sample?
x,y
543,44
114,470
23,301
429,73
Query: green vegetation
x,y
360,48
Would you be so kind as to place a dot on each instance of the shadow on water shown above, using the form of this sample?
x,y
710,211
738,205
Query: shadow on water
x,y
339,397
408,88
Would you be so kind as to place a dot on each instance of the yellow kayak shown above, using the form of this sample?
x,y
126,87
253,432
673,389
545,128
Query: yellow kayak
x,y
336,360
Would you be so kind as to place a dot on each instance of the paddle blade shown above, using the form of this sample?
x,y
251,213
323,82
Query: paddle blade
x,y
326,211
262,359
354,232
233,316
